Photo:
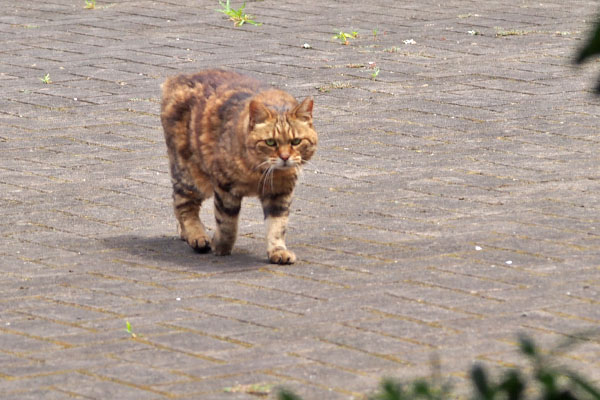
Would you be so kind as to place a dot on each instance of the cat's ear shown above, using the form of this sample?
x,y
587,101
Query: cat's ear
x,y
303,111
258,113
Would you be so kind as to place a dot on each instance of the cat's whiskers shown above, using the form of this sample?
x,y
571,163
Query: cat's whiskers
x,y
270,176
312,165
256,168
267,175
261,181
299,171
272,173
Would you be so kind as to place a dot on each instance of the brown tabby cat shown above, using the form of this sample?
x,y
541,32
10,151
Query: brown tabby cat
x,y
230,136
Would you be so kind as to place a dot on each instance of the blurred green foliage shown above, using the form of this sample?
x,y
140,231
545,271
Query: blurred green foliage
x,y
543,380
590,49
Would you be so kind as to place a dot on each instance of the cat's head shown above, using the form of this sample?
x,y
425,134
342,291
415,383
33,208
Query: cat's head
x,y
281,133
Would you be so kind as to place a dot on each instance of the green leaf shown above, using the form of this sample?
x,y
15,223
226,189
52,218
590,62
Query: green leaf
x,y
591,46
390,390
129,330
46,79
548,381
527,346
287,395
513,385
225,8
479,377
584,385
422,389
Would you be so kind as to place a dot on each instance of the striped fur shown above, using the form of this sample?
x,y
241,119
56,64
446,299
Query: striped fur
x,y
228,136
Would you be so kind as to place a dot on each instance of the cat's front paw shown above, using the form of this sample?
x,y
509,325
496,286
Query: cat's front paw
x,y
200,245
281,256
221,248
197,239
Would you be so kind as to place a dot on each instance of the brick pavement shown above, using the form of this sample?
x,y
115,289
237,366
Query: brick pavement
x,y
453,202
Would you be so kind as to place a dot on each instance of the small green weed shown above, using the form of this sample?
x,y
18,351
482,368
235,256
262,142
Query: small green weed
x,y
130,331
90,4
26,26
375,32
333,85
375,73
512,32
237,16
46,79
344,37
256,389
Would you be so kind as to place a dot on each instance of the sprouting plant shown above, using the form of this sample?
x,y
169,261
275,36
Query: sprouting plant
x,y
129,330
26,26
375,73
46,79
237,16
256,389
333,85
511,32
344,36
375,32
90,4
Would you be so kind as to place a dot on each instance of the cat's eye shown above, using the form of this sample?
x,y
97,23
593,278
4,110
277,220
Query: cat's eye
x,y
270,142
296,141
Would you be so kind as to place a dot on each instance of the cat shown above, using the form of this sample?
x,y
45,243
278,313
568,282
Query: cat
x,y
230,136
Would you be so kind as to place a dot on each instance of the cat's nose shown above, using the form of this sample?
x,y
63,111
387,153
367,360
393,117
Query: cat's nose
x,y
284,156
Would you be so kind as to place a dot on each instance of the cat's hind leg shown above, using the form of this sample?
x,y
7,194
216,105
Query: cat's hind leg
x,y
227,209
190,185
186,204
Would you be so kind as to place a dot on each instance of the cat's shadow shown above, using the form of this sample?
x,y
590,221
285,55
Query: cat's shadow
x,y
170,251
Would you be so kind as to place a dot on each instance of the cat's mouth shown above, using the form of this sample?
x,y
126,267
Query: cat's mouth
x,y
277,164
285,164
